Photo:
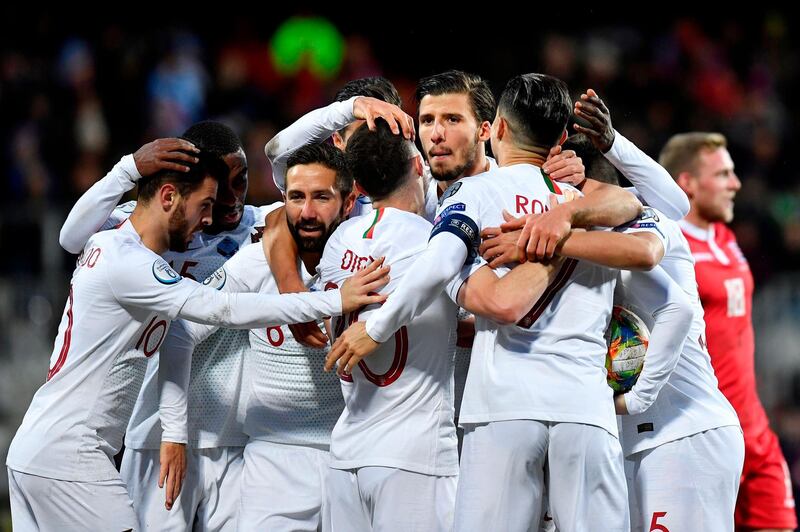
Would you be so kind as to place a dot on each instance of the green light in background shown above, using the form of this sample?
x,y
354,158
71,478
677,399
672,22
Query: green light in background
x,y
310,42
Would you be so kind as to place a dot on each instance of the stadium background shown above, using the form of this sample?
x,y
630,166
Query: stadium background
x,y
77,94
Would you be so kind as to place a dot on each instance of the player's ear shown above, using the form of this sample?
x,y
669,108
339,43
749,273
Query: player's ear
x,y
350,200
502,125
418,168
168,196
485,131
338,141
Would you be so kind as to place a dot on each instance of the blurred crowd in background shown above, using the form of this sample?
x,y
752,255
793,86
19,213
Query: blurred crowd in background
x,y
74,98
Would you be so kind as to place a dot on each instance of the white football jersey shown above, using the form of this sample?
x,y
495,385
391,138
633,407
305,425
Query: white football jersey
x,y
287,396
399,400
216,371
551,365
462,354
690,402
122,299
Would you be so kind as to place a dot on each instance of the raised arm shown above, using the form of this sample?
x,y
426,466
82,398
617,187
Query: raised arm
x,y
93,210
651,180
319,124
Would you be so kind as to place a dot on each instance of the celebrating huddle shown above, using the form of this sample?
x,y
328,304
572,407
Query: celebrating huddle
x,y
301,366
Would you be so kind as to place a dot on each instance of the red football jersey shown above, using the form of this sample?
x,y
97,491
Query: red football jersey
x,y
725,285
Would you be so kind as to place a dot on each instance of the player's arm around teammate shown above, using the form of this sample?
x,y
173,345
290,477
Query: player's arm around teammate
x,y
638,248
316,126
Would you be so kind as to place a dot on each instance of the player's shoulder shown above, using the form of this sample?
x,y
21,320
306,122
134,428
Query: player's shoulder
x,y
255,214
121,253
250,253
390,223
119,241
393,233
396,219
490,179
466,189
350,227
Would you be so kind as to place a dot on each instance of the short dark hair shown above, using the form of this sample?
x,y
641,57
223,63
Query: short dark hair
x,y
374,87
536,107
325,154
480,95
597,166
209,164
379,160
213,137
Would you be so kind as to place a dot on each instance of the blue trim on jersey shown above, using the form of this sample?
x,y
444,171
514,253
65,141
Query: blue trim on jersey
x,y
640,222
464,228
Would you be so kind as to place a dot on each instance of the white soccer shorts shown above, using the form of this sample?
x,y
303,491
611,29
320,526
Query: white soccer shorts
x,y
209,498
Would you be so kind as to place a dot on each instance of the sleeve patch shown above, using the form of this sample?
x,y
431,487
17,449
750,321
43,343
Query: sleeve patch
x,y
455,207
127,207
450,192
164,273
464,228
217,279
648,219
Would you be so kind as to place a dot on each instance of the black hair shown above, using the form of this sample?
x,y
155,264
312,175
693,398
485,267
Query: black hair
x,y
481,99
209,164
213,137
374,87
325,154
379,160
537,108
596,165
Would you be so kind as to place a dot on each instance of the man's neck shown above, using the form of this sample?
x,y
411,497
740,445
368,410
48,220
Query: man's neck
x,y
403,199
310,260
149,228
695,219
516,156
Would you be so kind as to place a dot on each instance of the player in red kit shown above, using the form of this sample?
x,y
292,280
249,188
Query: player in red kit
x,y
702,166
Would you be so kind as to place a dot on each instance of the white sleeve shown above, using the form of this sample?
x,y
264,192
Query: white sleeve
x,y
656,293
175,358
648,221
651,180
432,270
312,127
142,281
249,311
174,370
97,204
454,285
